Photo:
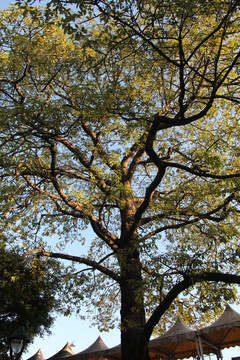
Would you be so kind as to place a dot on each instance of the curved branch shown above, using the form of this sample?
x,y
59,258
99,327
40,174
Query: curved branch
x,y
77,259
104,234
148,195
134,155
99,147
197,217
201,173
187,282
72,204
136,32
215,30
86,164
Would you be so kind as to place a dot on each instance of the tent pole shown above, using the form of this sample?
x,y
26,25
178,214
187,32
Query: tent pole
x,y
201,348
220,354
197,347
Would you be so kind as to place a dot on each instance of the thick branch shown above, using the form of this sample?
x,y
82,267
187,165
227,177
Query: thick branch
x,y
104,234
186,283
148,195
77,259
135,154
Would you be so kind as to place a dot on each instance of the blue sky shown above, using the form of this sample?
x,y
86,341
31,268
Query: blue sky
x,y
78,332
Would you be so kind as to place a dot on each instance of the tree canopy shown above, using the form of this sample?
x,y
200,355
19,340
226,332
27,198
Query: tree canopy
x,y
28,296
130,127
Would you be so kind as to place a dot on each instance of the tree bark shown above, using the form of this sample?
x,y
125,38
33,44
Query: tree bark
x,y
132,310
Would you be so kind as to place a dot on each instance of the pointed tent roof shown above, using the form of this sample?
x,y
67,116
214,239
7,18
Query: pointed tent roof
x,y
63,353
229,318
177,343
37,356
178,332
94,352
223,333
98,345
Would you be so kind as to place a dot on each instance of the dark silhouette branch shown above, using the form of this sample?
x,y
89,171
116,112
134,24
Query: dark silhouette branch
x,y
77,259
187,282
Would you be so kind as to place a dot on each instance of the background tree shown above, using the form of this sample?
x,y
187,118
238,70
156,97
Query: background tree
x,y
131,128
28,296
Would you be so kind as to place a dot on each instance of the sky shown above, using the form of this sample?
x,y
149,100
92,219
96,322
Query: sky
x,y
78,332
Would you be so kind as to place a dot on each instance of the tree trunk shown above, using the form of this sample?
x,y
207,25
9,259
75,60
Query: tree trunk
x,y
132,311
131,346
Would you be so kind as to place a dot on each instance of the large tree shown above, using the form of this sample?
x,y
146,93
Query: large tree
x,y
130,127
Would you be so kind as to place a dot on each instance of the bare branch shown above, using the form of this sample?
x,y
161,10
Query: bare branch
x,y
77,259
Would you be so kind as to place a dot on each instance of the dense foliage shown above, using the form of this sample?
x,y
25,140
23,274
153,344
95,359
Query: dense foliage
x,y
129,127
27,296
